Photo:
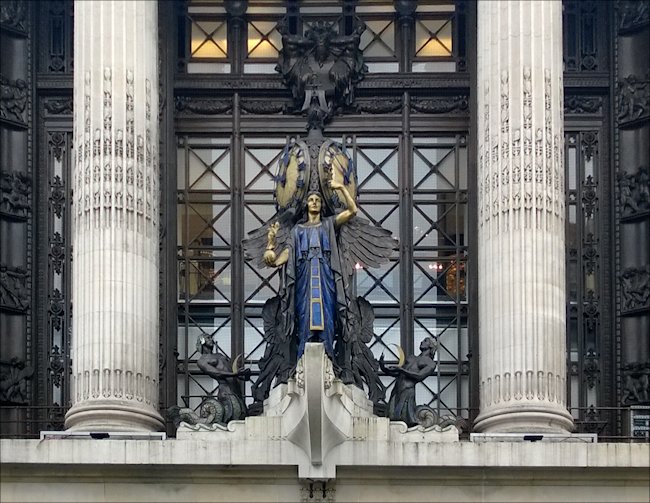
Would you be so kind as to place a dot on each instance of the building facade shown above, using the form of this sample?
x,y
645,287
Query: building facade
x,y
505,144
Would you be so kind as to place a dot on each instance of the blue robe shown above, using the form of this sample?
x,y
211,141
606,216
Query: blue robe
x,y
315,286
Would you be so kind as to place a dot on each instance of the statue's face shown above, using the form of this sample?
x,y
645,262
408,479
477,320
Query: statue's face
x,y
426,345
314,204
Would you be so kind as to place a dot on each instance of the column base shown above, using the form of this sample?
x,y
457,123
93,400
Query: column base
x,y
524,419
112,415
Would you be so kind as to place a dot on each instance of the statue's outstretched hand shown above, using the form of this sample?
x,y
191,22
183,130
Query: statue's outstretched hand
x,y
245,374
269,258
335,184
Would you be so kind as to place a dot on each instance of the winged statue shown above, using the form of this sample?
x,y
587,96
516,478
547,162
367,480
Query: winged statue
x,y
317,240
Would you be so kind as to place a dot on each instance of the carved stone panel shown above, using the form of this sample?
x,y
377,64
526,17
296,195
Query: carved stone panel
x,y
634,193
15,195
14,375
634,15
57,106
583,104
14,294
13,102
13,16
633,100
635,289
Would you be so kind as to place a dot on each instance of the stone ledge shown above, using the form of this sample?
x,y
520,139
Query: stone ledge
x,y
174,452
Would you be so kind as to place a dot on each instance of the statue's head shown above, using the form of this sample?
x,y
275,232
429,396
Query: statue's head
x,y
321,34
204,345
428,344
314,203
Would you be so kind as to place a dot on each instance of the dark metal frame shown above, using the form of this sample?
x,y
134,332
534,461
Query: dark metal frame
x,y
434,114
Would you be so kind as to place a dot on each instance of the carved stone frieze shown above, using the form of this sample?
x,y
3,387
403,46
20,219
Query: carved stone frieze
x,y
441,105
634,15
132,155
15,195
13,101
14,294
578,104
633,100
14,375
58,106
377,105
534,152
189,105
634,193
263,107
13,15
635,288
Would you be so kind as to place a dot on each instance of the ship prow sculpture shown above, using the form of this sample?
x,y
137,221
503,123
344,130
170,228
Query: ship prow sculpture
x,y
319,391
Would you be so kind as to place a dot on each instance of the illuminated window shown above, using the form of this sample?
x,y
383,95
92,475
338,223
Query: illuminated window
x,y
435,47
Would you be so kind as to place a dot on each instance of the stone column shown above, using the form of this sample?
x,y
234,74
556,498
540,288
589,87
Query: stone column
x,y
115,225
521,218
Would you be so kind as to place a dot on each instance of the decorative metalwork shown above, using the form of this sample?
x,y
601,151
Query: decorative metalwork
x,y
58,40
591,368
591,310
57,309
589,144
633,100
56,366
57,195
589,196
57,252
57,143
590,254
582,34
15,195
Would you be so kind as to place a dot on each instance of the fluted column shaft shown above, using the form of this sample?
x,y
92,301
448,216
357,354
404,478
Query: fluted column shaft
x,y
115,225
521,217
